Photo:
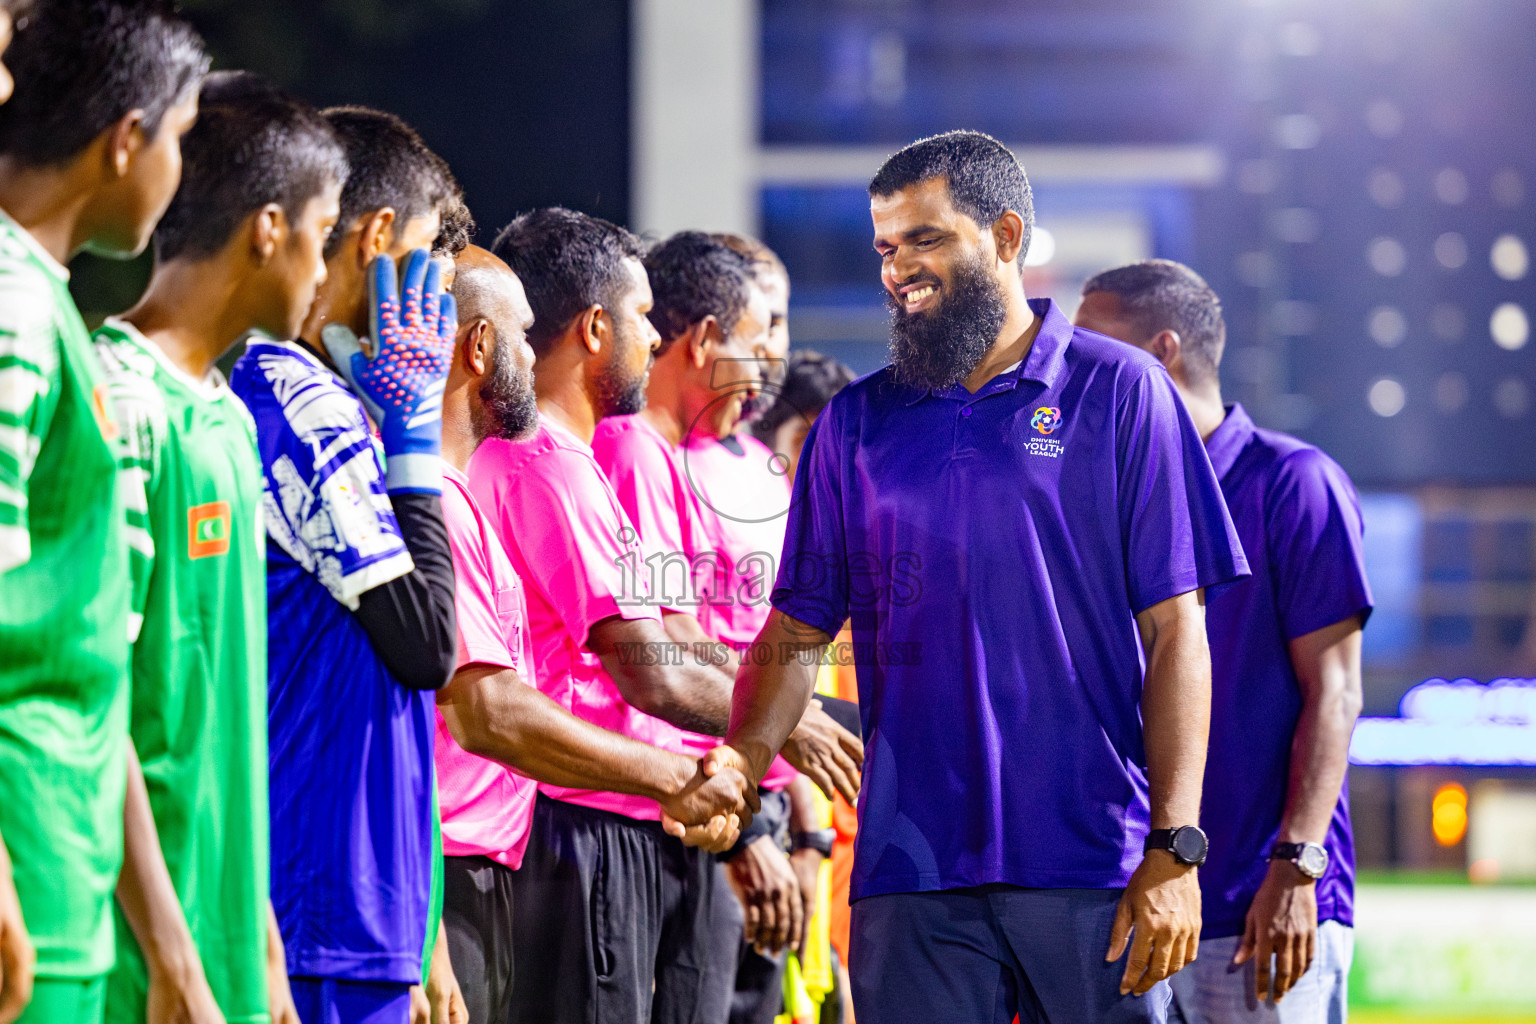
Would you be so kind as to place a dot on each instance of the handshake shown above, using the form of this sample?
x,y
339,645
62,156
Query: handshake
x,y
715,804
712,807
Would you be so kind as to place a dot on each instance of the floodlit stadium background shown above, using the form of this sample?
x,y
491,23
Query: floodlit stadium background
x,y
1356,178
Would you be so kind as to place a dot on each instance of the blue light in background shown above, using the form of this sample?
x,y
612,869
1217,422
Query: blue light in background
x,y
1394,530
1447,723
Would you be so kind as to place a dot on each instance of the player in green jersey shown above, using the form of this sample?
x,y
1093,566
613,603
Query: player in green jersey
x,y
239,249
89,156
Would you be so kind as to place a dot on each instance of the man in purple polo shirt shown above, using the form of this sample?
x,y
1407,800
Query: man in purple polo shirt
x,y
1285,669
1001,511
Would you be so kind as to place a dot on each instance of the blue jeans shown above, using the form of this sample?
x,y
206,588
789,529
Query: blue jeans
x,y
981,955
1212,991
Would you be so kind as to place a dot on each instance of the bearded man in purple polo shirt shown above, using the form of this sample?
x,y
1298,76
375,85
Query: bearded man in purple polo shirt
x,y
1013,513
1285,667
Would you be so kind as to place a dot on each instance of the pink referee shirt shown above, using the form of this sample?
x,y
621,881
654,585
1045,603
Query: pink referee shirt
x,y
743,504
485,807
579,559
653,486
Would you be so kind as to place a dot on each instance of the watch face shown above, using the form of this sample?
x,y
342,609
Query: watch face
x,y
1189,845
1313,860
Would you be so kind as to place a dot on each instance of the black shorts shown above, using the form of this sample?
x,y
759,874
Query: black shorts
x,y
477,920
619,923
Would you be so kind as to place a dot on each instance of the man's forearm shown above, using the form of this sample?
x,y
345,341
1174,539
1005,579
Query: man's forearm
x,y
770,700
1327,665
1176,707
144,887
492,714
686,630
654,676
697,698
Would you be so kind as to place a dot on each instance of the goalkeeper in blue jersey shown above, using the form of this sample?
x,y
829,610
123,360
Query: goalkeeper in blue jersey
x,y
359,583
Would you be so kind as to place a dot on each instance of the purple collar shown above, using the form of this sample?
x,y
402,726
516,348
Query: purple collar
x,y
1229,439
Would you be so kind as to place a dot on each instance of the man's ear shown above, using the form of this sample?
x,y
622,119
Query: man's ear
x,y
595,327
124,140
376,236
1008,236
1167,346
269,230
701,337
475,346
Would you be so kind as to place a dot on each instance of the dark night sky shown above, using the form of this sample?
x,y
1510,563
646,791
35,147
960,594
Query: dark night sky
x,y
528,101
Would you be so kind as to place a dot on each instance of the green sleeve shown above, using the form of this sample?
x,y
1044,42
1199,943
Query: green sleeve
x,y
30,380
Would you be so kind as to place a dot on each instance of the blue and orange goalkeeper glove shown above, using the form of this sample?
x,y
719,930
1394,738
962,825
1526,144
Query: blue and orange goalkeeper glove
x,y
402,380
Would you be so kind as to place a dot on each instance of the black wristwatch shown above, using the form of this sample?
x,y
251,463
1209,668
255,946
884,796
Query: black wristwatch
x,y
820,840
1187,843
1311,859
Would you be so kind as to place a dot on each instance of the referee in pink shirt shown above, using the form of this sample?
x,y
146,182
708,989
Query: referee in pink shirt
x,y
496,734
614,916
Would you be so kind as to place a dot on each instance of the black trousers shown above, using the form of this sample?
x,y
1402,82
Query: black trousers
x,y
759,995
477,920
618,923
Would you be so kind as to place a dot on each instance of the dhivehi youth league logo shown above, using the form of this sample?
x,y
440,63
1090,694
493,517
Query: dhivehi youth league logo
x,y
1047,419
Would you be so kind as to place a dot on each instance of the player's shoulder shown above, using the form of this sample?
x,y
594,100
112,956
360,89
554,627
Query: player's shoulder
x,y
872,390
130,371
1293,468
1296,459
614,434
285,386
122,352
621,442
29,300
1091,350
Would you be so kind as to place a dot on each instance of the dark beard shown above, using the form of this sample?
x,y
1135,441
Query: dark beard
x,y
508,408
619,394
939,349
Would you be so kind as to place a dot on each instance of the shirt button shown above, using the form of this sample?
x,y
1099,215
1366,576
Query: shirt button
x,y
966,411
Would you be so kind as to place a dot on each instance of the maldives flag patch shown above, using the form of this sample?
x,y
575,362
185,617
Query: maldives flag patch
x,y
208,529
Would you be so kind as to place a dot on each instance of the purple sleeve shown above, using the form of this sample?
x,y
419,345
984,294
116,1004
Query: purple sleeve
x,y
813,574
1174,524
1316,550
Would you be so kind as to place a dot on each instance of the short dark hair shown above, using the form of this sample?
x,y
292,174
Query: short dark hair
x,y
568,262
1157,295
81,65
984,178
253,144
389,166
694,276
765,262
457,230
809,384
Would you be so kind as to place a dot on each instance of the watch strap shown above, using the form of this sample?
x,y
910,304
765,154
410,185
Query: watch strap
x,y
820,840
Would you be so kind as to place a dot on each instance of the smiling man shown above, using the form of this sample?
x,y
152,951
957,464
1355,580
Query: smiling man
x,y
1021,511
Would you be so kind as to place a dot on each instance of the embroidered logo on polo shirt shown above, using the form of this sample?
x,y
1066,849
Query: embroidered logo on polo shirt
x,y
208,529
1046,420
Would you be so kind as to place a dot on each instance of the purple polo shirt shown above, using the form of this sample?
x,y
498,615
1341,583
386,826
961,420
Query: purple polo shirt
x,y
1299,521
991,550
